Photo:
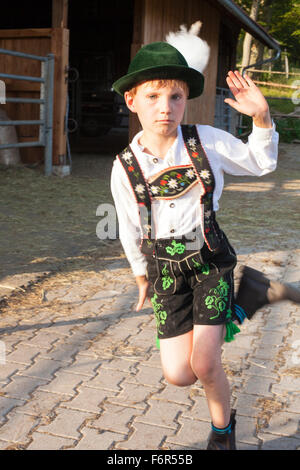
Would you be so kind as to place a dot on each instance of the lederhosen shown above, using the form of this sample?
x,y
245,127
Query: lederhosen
x,y
189,284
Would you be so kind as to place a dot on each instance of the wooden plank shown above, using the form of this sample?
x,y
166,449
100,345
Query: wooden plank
x,y
60,13
22,33
60,48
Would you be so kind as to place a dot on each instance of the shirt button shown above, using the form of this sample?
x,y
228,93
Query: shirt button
x,y
155,160
172,230
172,204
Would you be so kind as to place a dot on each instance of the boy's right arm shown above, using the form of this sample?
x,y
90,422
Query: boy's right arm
x,y
129,228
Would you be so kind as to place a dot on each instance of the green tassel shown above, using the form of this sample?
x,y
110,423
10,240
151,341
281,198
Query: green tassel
x,y
157,342
231,330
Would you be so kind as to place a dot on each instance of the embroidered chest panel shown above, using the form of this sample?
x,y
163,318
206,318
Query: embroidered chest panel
x,y
172,182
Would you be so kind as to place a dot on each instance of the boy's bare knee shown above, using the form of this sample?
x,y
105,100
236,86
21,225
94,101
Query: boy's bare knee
x,y
180,376
205,371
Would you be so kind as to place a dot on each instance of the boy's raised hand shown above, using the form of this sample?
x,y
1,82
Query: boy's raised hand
x,y
249,99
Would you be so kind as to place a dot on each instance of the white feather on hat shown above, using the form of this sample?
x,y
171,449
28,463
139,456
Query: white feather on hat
x,y
194,49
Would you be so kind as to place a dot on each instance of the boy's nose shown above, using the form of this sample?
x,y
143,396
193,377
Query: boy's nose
x,y
166,106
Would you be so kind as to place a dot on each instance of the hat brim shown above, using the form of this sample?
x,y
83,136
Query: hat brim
x,y
192,77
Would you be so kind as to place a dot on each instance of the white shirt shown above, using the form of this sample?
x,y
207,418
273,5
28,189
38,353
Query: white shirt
x,y
180,216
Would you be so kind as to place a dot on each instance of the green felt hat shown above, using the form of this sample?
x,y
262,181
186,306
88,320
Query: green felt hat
x,y
160,60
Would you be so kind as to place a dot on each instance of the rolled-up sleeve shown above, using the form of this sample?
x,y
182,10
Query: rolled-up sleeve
x,y
257,157
129,220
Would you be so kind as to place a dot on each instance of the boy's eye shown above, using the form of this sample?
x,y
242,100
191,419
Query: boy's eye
x,y
177,96
152,97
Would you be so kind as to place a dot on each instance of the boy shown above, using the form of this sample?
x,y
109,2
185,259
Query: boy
x,y
166,187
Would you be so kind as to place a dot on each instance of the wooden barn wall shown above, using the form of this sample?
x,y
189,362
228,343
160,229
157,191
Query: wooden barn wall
x,y
39,42
153,19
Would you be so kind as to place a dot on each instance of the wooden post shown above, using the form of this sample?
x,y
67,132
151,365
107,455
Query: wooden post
x,y
60,48
60,13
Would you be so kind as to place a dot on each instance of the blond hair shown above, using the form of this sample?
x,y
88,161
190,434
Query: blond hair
x,y
159,83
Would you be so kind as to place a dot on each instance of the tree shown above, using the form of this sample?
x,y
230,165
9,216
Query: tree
x,y
248,38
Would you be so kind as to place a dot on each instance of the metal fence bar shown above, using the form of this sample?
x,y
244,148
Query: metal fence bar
x,y
21,77
45,102
23,54
22,144
49,70
21,123
24,100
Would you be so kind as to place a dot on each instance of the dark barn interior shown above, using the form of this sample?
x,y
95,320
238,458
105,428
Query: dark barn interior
x,y
99,53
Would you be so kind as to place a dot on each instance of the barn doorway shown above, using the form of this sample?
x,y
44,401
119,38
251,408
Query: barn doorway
x,y
99,53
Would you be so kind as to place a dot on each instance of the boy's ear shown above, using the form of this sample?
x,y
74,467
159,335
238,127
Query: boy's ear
x,y
129,100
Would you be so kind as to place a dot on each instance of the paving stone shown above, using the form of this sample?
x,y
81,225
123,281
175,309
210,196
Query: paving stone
x,y
257,385
8,370
272,442
161,413
151,376
145,437
107,379
259,367
42,368
17,428
287,384
179,395
62,352
246,429
285,424
116,418
66,423
247,405
88,399
63,383
22,387
192,434
43,339
6,405
199,410
84,365
40,404
42,441
97,440
23,354
132,395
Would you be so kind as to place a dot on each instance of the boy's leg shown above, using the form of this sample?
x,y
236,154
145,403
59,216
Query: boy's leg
x,y
207,366
176,359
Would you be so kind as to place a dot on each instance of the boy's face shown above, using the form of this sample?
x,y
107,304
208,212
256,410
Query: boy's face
x,y
160,109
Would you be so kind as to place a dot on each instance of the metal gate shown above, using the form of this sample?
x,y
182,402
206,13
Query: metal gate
x,y
45,101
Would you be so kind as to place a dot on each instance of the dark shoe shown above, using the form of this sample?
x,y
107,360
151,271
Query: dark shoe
x,y
256,290
218,441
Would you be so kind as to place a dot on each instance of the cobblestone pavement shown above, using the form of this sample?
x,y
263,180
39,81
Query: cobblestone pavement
x,y
92,379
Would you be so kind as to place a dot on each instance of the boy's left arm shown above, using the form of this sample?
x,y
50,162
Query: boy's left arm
x,y
249,99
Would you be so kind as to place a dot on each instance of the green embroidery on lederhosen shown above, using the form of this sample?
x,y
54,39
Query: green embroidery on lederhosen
x,y
218,298
176,248
166,279
159,313
204,268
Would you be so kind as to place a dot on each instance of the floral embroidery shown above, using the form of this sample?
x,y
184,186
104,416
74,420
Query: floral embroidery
x,y
190,173
140,188
218,298
172,183
192,143
127,156
177,248
204,174
166,279
203,267
160,315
